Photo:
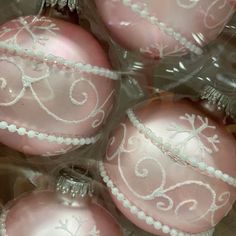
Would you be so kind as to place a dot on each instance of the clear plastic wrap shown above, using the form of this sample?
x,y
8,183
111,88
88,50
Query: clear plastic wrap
x,y
15,8
118,118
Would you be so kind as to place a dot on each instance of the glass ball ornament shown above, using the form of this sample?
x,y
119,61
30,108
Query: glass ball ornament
x,y
71,4
11,9
157,28
170,168
57,86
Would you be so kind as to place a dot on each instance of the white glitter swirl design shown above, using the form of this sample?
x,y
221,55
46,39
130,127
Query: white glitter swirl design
x,y
27,25
42,64
140,214
209,15
63,225
144,13
3,217
175,152
80,141
195,132
161,193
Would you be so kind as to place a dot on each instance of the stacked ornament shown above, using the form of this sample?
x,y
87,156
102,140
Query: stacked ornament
x,y
57,86
169,164
170,168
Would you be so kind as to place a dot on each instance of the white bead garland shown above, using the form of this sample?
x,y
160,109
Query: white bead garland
x,y
163,27
58,61
53,61
166,147
3,217
46,137
141,214
72,4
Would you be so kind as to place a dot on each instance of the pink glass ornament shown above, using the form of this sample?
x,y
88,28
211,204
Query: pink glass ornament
x,y
48,213
171,169
56,85
44,214
165,28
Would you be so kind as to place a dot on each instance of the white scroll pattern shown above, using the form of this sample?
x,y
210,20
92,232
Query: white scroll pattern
x,y
117,150
30,26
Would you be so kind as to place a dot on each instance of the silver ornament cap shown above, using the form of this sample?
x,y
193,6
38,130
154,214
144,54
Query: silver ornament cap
x,y
215,97
71,4
75,182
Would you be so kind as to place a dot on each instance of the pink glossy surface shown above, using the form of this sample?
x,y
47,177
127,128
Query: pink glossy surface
x,y
174,194
43,214
66,103
199,21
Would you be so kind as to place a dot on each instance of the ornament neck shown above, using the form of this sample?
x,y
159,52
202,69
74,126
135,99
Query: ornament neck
x,y
74,184
214,100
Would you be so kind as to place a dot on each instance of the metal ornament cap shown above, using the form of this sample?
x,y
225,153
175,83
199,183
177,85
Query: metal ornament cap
x,y
72,4
75,183
157,28
215,97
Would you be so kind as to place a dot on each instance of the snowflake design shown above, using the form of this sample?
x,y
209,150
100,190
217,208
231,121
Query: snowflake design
x,y
3,83
210,13
72,4
196,133
64,226
30,26
161,50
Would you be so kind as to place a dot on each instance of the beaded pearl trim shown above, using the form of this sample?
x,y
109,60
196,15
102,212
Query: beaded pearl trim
x,y
3,217
143,13
58,61
46,137
171,150
72,4
141,214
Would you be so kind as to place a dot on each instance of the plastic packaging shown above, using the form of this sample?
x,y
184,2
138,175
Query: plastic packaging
x,y
140,97
15,8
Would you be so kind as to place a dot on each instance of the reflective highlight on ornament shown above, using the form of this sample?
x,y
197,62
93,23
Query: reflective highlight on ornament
x,y
165,28
177,142
70,92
